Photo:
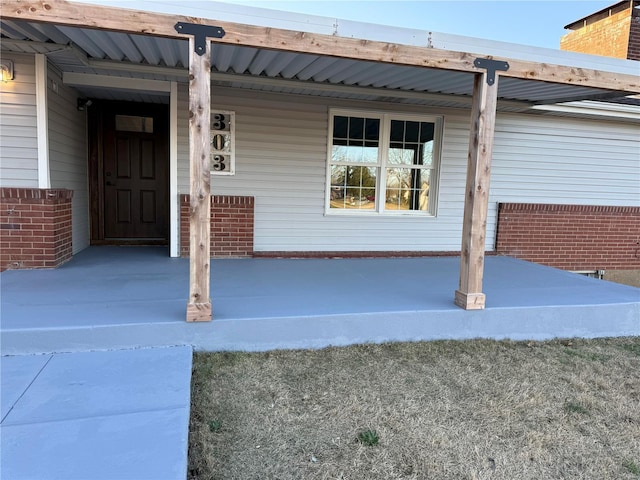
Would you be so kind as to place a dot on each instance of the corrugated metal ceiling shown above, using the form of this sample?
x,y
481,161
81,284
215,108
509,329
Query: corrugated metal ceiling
x,y
109,53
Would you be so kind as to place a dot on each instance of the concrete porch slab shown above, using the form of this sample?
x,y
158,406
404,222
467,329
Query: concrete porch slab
x,y
110,297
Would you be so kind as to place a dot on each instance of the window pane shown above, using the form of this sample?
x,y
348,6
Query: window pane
x,y
350,154
338,178
397,131
356,128
427,154
426,132
353,187
129,123
356,131
340,127
370,154
411,143
411,132
401,156
407,189
372,130
338,185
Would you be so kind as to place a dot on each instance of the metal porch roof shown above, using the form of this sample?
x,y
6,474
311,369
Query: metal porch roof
x,y
82,50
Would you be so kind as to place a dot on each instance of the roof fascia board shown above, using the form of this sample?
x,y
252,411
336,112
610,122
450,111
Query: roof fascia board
x,y
61,12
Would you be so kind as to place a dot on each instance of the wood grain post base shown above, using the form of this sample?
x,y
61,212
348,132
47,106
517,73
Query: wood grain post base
x,y
199,312
470,301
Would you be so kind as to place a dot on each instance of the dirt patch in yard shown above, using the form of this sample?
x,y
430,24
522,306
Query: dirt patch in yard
x,y
428,410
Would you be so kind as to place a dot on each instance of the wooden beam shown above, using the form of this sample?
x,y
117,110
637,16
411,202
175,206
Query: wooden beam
x,y
199,305
483,118
60,12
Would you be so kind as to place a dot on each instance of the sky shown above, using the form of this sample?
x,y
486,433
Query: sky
x,y
529,22
538,23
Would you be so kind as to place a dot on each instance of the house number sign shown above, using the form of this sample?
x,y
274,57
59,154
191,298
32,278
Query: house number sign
x,y
222,142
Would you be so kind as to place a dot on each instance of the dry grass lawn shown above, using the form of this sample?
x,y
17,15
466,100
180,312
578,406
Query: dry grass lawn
x,y
440,410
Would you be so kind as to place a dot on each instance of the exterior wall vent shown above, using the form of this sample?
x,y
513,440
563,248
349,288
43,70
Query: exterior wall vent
x,y
599,274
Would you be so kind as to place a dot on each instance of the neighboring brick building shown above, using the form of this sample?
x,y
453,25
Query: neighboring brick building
x,y
611,32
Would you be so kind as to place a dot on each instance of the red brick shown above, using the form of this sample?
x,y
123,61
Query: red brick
x,y
616,35
575,237
40,235
231,226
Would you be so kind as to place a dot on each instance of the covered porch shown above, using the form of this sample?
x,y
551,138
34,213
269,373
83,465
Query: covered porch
x,y
115,54
129,297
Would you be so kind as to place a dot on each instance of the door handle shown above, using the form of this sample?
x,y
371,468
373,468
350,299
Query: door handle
x,y
111,184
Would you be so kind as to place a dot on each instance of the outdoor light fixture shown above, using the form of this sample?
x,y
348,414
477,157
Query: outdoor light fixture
x,y
6,66
83,104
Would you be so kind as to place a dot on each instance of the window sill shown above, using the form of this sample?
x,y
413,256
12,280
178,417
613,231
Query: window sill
x,y
372,213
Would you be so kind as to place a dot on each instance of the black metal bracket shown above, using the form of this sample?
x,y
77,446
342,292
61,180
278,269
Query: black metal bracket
x,y
200,33
491,66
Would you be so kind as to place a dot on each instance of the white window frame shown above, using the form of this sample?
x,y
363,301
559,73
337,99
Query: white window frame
x,y
382,163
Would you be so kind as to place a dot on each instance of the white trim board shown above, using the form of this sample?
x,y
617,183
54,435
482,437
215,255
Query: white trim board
x,y
42,121
122,83
174,204
602,109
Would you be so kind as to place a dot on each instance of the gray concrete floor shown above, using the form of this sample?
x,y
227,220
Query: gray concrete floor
x,y
119,297
97,356
111,415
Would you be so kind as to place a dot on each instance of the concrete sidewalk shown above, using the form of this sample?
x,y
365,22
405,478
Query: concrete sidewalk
x,y
115,415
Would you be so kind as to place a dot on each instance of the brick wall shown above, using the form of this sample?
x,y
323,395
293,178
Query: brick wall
x,y
633,52
608,36
35,227
231,226
571,237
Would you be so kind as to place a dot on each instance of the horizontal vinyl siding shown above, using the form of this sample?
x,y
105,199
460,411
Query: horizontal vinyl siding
x,y
18,130
563,161
281,144
566,161
68,153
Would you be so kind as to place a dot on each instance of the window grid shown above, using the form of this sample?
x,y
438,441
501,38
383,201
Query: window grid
x,y
406,167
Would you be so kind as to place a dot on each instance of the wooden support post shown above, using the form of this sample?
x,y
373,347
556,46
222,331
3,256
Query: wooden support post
x,y
199,306
483,116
